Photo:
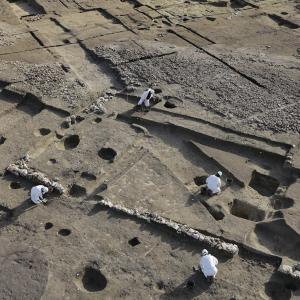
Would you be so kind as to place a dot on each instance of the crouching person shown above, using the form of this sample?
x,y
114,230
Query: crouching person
x,y
145,99
213,185
208,265
37,194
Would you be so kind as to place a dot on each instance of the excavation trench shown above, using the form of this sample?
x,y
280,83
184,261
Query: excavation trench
x,y
264,184
247,211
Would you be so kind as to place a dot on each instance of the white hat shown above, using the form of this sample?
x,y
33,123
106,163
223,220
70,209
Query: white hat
x,y
204,252
219,173
44,190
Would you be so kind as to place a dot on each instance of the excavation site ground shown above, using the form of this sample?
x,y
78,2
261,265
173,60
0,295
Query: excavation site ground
x,y
125,218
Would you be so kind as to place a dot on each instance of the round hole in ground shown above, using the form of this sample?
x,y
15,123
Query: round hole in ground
x,y
107,153
48,225
64,232
44,131
77,191
79,119
93,280
71,142
97,120
134,242
157,90
88,176
15,185
190,284
169,104
2,140
52,161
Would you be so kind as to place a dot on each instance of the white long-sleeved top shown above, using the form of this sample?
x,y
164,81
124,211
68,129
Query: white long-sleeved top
x,y
208,265
214,184
144,99
37,193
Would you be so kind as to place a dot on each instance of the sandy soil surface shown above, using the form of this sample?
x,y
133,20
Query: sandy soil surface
x,y
127,214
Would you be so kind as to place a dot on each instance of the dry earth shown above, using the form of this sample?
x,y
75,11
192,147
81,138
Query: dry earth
x,y
226,75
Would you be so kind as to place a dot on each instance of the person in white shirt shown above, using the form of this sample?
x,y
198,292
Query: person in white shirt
x,y
208,264
37,193
213,183
145,98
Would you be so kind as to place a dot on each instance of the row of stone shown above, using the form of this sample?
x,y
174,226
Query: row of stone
x,y
21,168
229,248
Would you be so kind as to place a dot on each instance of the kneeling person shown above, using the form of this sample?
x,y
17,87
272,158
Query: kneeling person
x,y
37,193
214,183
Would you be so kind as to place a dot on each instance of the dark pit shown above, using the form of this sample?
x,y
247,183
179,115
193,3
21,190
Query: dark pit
x,y
134,242
44,131
200,180
264,184
190,284
77,191
216,212
169,104
97,120
88,176
64,232
2,140
107,153
52,161
15,185
102,187
93,280
48,225
211,18
281,202
244,210
71,142
79,119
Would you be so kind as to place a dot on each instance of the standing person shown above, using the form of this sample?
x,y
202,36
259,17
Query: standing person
x,y
37,193
208,265
213,183
145,98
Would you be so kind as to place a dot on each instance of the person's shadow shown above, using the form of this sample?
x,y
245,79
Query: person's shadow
x,y
192,287
10,215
